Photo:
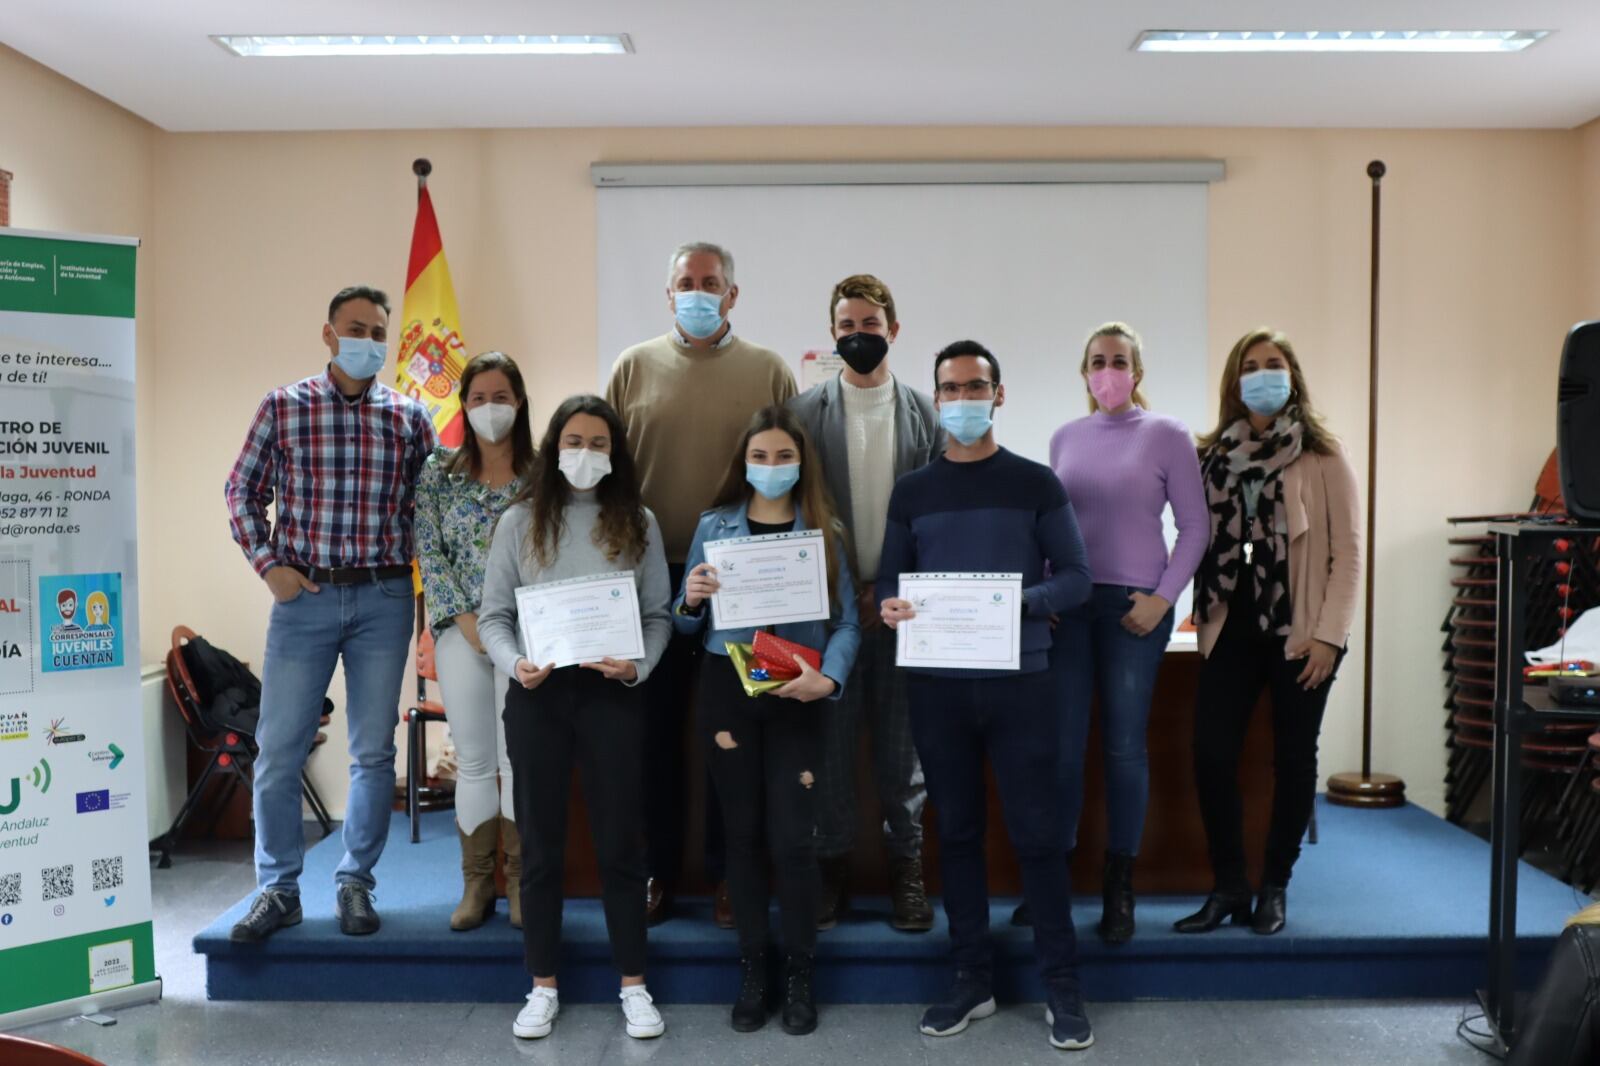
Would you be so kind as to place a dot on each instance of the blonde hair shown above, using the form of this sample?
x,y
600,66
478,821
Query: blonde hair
x,y
1126,332
1230,408
1590,915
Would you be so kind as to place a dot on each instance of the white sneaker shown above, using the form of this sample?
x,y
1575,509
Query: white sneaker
x,y
537,1018
644,1021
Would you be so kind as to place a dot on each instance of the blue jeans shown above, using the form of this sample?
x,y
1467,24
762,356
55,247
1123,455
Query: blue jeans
x,y
369,625
1092,651
955,723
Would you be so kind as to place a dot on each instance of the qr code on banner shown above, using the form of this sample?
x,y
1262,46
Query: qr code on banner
x,y
11,890
57,882
107,873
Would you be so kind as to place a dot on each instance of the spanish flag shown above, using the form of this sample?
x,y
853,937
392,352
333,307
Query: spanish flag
x,y
432,353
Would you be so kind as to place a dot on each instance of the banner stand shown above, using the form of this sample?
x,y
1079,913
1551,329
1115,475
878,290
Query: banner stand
x,y
75,912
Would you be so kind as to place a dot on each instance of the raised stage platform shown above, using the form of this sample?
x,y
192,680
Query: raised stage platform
x,y
1388,904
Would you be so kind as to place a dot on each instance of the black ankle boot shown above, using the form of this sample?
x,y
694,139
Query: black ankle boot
x,y
750,1011
1116,919
1272,910
799,1005
1218,907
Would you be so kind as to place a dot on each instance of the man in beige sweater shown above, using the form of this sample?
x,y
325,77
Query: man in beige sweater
x,y
686,398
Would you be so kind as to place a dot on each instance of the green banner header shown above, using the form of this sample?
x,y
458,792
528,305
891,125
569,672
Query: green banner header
x,y
66,277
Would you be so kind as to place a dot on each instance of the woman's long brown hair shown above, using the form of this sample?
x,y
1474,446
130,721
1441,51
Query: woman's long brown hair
x,y
1315,437
621,531
810,493
468,459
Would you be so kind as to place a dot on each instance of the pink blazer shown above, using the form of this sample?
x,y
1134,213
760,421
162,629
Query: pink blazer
x,y
1324,511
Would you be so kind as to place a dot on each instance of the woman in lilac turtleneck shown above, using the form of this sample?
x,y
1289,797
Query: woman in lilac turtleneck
x,y
1121,466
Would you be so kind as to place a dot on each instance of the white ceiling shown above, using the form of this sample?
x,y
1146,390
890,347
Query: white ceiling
x,y
814,62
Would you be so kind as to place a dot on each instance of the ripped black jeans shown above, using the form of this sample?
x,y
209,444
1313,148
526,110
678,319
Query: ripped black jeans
x,y
763,754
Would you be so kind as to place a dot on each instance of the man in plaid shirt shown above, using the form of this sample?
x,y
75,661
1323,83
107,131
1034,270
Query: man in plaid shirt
x,y
339,453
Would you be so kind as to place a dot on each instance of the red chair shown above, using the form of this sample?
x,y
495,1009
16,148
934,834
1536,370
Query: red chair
x,y
232,753
20,1051
423,794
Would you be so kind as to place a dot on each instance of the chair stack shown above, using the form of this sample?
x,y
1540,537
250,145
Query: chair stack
x,y
1560,803
1469,628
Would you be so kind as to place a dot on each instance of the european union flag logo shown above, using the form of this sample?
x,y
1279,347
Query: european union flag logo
x,y
98,800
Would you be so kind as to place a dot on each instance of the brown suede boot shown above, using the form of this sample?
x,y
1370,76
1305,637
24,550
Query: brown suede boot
x,y
511,844
477,875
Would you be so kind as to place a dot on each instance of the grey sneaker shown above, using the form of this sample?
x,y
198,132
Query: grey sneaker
x,y
270,911
353,906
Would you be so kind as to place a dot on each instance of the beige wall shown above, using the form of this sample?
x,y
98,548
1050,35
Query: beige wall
x,y
82,165
251,233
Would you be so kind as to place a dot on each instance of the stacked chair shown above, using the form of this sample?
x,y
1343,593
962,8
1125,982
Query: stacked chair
x,y
1560,802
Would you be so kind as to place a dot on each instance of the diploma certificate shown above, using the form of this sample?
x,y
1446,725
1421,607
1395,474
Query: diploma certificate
x,y
581,620
769,580
963,622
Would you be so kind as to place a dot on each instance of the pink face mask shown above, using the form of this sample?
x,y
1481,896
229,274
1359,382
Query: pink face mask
x,y
1110,387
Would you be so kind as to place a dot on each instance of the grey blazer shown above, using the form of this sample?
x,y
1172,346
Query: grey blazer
x,y
918,439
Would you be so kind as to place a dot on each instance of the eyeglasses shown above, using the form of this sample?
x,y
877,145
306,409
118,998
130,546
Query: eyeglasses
x,y
979,389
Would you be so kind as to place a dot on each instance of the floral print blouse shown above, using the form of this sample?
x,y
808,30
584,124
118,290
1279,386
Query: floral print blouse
x,y
456,515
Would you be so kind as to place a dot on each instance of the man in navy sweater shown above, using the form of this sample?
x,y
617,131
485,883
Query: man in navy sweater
x,y
983,509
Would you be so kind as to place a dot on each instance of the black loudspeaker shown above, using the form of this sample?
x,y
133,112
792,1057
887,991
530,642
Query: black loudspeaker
x,y
1578,422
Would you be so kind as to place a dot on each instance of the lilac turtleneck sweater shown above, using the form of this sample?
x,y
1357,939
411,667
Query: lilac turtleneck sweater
x,y
1120,472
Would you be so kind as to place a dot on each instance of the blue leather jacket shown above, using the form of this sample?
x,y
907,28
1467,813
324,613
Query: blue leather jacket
x,y
837,638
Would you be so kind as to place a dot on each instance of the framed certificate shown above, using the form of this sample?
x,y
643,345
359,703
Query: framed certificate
x,y
963,622
769,580
580,620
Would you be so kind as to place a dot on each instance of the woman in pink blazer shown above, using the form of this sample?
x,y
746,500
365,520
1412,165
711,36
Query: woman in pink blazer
x,y
1274,599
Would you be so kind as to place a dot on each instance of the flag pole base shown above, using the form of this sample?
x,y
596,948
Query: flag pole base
x,y
1366,790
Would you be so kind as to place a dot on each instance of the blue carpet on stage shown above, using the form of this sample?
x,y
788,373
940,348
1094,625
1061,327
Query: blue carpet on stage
x,y
1388,904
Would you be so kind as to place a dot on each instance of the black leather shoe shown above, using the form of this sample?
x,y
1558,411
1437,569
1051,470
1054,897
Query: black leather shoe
x,y
1116,919
353,907
1022,915
1272,910
750,1011
799,1005
270,912
833,897
657,902
722,907
1218,907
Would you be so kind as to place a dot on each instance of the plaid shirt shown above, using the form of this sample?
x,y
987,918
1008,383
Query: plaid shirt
x,y
344,474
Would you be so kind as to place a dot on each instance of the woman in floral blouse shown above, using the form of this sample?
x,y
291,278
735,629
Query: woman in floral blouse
x,y
460,496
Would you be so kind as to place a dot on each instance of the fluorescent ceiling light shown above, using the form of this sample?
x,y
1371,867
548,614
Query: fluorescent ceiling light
x,y
1337,40
479,44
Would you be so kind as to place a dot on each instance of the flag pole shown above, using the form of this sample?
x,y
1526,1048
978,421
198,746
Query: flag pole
x,y
421,168
1367,789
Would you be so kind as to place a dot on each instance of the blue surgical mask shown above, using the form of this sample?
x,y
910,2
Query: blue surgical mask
x,y
773,482
1265,391
361,357
699,313
966,420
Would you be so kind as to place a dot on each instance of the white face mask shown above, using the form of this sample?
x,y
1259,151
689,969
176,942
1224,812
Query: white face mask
x,y
492,421
584,467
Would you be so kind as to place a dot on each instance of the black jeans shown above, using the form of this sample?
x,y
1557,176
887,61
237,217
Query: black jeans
x,y
1014,720
578,717
668,695
764,769
1241,662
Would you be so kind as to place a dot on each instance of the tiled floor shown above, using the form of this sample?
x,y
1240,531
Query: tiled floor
x,y
186,1028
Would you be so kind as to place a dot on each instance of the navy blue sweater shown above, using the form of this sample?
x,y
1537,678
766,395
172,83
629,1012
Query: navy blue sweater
x,y
1003,514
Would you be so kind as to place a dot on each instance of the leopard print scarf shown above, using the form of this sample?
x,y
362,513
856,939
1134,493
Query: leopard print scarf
x,y
1240,458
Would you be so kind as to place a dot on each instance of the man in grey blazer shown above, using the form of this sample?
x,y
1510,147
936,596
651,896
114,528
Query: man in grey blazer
x,y
869,429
